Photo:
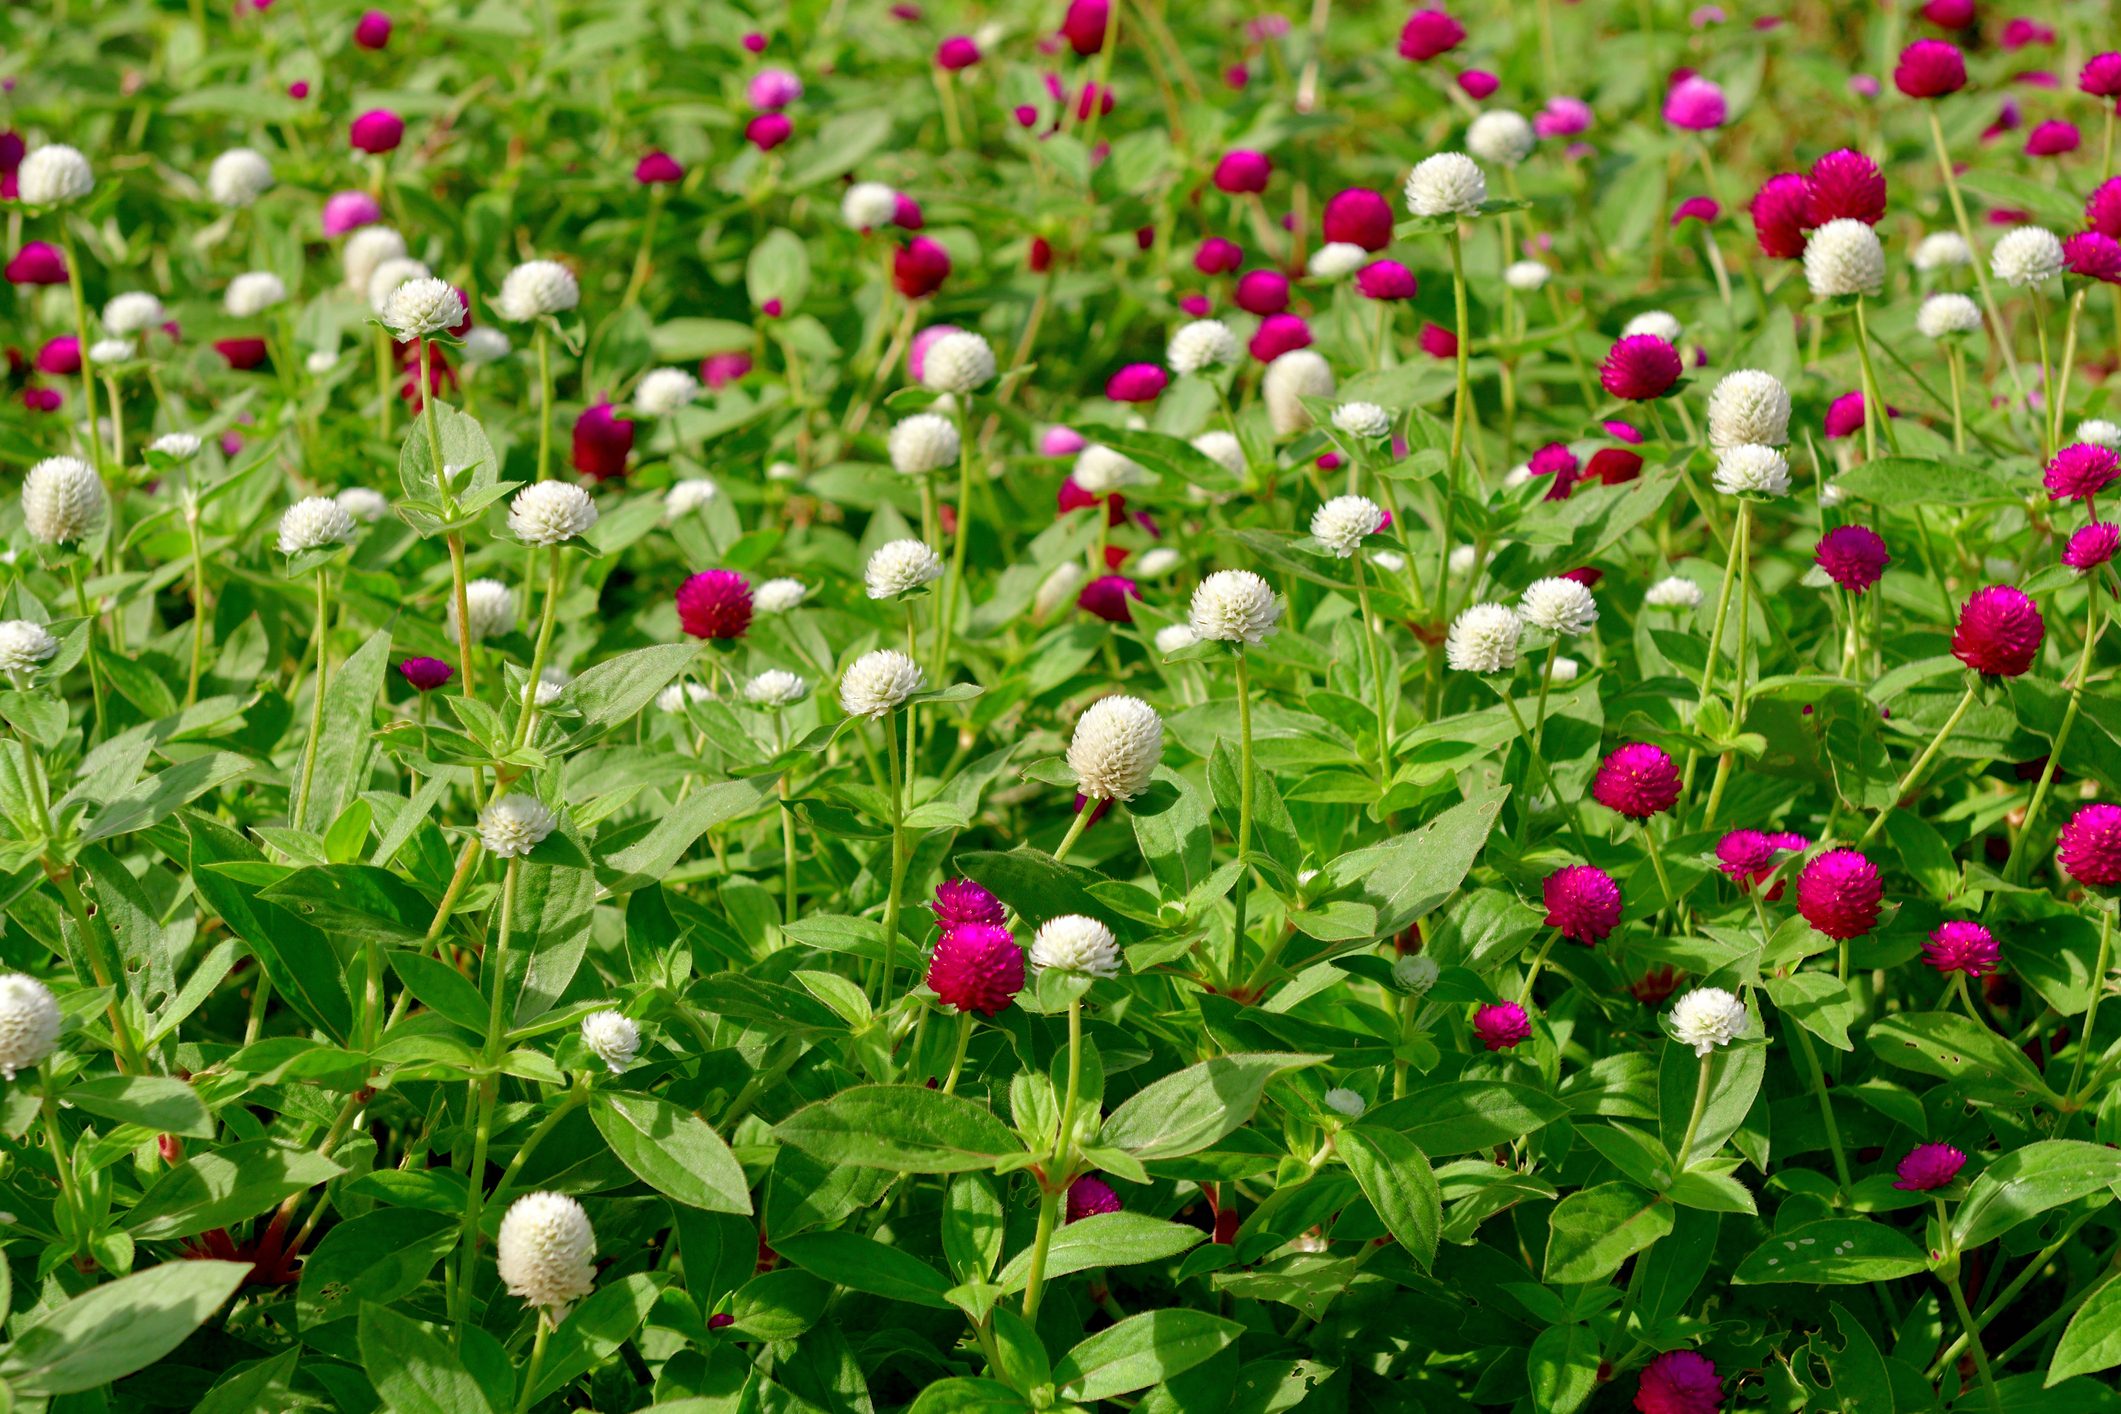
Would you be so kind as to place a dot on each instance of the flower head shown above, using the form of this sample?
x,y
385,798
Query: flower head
x,y
1844,257
612,1038
547,1252
1640,367
426,674
1999,632
1235,606
1679,1382
961,901
238,177
1638,780
1696,104
715,604
38,263
1075,943
491,605
1501,137
1428,33
1289,379
1853,556
2052,138
254,292
535,288
958,363
1928,1166
1582,901
346,211
1201,345
1117,743
2080,471
1749,406
976,967
2102,209
1090,1197
1707,1018
1501,1026
923,443
1942,250
1100,471
30,1021
2027,256
1839,893
1526,276
901,567
919,267
1343,523
2092,546
2093,255
514,825
1661,322
2090,846
1562,607
1930,68
1946,314
420,307
1358,216
1844,185
662,391
54,175
1673,592
2101,76
23,647
62,500
772,89
1844,416
1386,280
368,250
1447,184
315,523
1483,639
1335,260
1242,171
1563,116
1137,383
1961,945
549,512
601,442
376,132
878,682
1780,215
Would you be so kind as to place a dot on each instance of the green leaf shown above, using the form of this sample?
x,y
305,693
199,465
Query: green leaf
x,y
1563,1366
1169,456
1911,481
864,1264
1818,1002
465,448
2026,1182
672,1151
269,1384
157,1102
1394,1175
595,1330
110,1331
1952,1047
225,1186
1832,1252
414,1372
778,269
1187,1112
972,1226
1411,875
379,1256
962,1395
304,969
360,901
2091,1342
1461,1116
611,692
1105,1240
909,1128
442,989
149,801
1592,1231
347,742
1141,1351
647,859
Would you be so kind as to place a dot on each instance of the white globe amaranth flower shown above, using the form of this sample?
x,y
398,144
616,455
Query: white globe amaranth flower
x,y
1336,260
1175,638
1075,943
1566,668
390,274
549,512
2100,433
1483,639
1057,589
1749,406
1843,257
515,825
239,177
1390,561
879,682
901,566
62,500
547,1253
1526,276
1343,1101
1749,470
1416,972
1673,592
1362,420
363,503
923,443
1343,523
1292,377
321,361
551,683
491,606
1100,471
485,344
612,1038
1941,250
1235,606
778,596
1448,184
1223,449
179,446
1200,345
314,523
252,293
1706,1018
2026,256
24,646
959,363
1561,607
1516,476
1661,323
789,471
133,313
1154,562
869,206
1117,743
675,697
421,307
366,250
687,496
1944,315
1501,137
664,390
108,351
54,175
29,1023
776,687
536,288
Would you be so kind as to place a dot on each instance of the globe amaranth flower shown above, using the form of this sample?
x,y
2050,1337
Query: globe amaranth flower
x,y
1415,973
1930,68
612,1038
1336,260
1637,780
546,1253
1562,116
1946,314
2080,471
1109,597
491,606
1679,1382
2092,546
1343,523
900,567
1446,184
62,500
238,177
1673,592
957,52
1779,211
919,267
1582,901
515,825
1843,258
976,967
536,288
1942,250
772,89
1501,1026
2101,76
1661,322
254,292
1696,208
23,647
346,211
1839,893
1501,137
923,443
1526,276
1759,472
37,263
1749,406
775,688
2093,255
1928,1166
1640,367
1562,607
1999,632
2027,256
1696,105
1218,256
1118,741
1961,945
961,901
2090,846
1075,943
879,682
1280,334
1707,1018
426,674
1844,185
1428,33
2102,209
662,391
1261,292
715,604
376,132
1201,345
1853,556
1289,379
30,1021
1386,280
54,175
1235,606
1747,857
2052,138
1090,1197
418,308
1483,639
1242,172
958,363
1137,383
549,512
315,523
1358,216
1844,416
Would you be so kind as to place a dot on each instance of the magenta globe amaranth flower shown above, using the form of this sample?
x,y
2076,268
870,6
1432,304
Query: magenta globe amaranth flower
x,y
1748,856
2102,209
1696,208
1386,280
1853,556
957,52
2090,846
2080,471
1961,945
1262,292
1780,214
1089,1197
1137,383
1217,256
1839,893
718,371
715,604
1243,172
1640,367
1999,632
602,442
1696,104
926,339
1428,33
1844,416
2101,76
426,674
1844,184
1560,465
1501,1026
2052,138
1278,334
1928,1166
1478,84
961,901
1637,780
772,89
1358,216
2092,546
1108,597
372,30
919,268
2092,255
349,211
1930,68
1562,116
60,354
976,967
1949,14
1582,902
1679,1382
377,131
37,263
768,131
658,169
1083,26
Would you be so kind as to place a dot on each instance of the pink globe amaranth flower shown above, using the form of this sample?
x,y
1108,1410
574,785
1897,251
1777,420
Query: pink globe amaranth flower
x,y
1999,632
1243,171
1386,280
1960,945
1358,216
1844,185
377,131
772,89
715,604
2102,209
1704,16
1613,466
2090,846
976,967
2080,471
1107,597
1437,341
2037,78
1196,306
1844,416
1640,367
242,355
658,169
1090,1197
1478,84
1582,901
1930,68
1679,1382
47,400
1853,556
1696,104
1026,114
1562,116
602,442
1137,383
1637,780
298,90
1624,431
1697,208
926,339
1060,442
2101,76
919,268
754,42
961,901
2094,255
60,355
372,30
957,52
1865,86
1839,892
1949,14
1278,334
1928,1166
768,131
1072,497
349,211
1217,256
2052,138
2021,33
1428,33
718,371
37,263
1262,292
1779,216
1557,461
1083,26
426,674
2091,546
1747,857
1094,96
906,213
1501,1026
1236,77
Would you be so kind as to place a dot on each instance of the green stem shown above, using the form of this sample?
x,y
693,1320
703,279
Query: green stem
x,y
1701,1105
1244,801
946,612
198,594
88,371
1914,772
1966,233
543,340
898,862
300,814
1539,962
1817,1078
1373,631
2069,720
957,1056
458,582
76,573
639,279
62,1161
1973,1339
2091,1010
1076,827
485,1090
537,655
537,1358
1049,1199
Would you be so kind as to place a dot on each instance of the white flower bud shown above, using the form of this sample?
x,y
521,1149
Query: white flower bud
x,y
314,522
62,500
366,250
132,314
537,287
958,363
1200,345
23,646
1235,606
104,352
1460,560
363,504
547,1253
182,446
1526,276
418,308
1749,406
685,497
1074,943
1175,638
1673,593
2029,255
1561,607
1750,470
1343,523
869,206
664,390
515,825
1057,589
1345,1102
1336,260
1101,471
388,276
1706,1018
1117,743
254,292
29,1020
1943,315
1154,562
1843,257
1448,184
53,175
1416,972
1660,323
238,177
2099,432
1483,639
1223,449
1362,420
1501,137
878,682
901,566
611,1038
485,344
1942,250
1292,377
492,607
549,512
775,688
778,596
675,697
923,443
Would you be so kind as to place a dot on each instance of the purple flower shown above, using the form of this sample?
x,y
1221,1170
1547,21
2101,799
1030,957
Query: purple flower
x,y
2092,546
1839,893
1853,556
1696,104
1928,1166
1582,901
349,211
1960,945
426,674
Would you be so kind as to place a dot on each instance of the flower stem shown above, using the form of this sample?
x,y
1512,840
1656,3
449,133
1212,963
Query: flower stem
x,y
2047,376
1958,377
957,1056
544,644
88,370
2058,395
1539,962
898,862
543,340
62,1159
1244,800
1041,1243
946,612
1873,407
1373,631
1973,1335
1817,1078
95,674
1059,1163
316,703
537,1358
638,281
455,541
1075,830
2091,1010
485,1091
1914,772
2069,720
1701,1105
1966,233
